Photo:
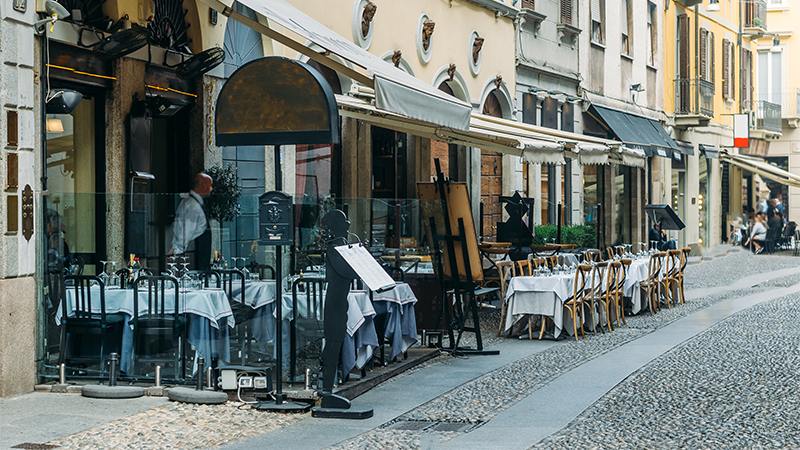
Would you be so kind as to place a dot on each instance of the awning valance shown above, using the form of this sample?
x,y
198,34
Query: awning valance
x,y
482,135
637,131
632,157
395,90
762,168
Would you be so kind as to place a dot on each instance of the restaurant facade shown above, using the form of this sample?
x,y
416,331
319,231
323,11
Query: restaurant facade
x,y
130,119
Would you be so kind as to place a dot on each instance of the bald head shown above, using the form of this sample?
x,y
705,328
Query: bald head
x,y
203,184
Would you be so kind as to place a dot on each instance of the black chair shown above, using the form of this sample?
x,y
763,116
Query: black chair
x,y
773,233
310,328
158,333
88,333
785,239
264,271
211,278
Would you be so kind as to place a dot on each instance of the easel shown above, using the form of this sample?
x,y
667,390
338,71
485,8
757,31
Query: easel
x,y
463,290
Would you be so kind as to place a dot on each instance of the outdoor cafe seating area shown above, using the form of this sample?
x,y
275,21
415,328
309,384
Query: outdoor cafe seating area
x,y
588,291
226,316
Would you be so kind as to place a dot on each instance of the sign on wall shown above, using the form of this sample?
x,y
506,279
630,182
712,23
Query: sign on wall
x,y
741,130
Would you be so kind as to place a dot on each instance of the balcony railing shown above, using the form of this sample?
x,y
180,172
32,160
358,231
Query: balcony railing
x,y
768,116
755,14
694,97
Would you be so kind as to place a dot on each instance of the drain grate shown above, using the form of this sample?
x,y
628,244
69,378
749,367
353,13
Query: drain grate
x,y
432,426
35,446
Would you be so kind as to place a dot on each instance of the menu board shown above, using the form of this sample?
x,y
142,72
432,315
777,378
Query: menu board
x,y
365,266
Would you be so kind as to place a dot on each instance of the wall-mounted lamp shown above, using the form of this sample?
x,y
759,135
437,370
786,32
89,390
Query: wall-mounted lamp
x,y
637,87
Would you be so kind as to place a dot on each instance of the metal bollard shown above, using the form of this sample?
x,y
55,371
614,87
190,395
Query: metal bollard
x,y
62,374
308,379
113,362
424,338
158,376
201,363
210,378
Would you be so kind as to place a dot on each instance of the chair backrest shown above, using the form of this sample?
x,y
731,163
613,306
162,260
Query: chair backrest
x,y
86,301
623,272
619,250
612,277
673,262
264,271
579,288
313,287
684,258
211,278
610,252
157,288
552,261
591,255
233,280
524,267
505,270
654,267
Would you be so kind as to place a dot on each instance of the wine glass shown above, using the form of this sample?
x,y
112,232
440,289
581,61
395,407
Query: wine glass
x,y
104,272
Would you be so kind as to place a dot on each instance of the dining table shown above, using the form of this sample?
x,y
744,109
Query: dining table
x,y
208,313
545,296
361,339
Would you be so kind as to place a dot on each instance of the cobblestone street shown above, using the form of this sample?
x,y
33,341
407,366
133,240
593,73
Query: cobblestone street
x,y
718,371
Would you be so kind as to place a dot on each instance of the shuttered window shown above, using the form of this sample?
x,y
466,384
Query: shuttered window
x,y
728,70
598,21
568,117
626,25
712,68
528,4
683,47
550,113
703,69
529,108
566,12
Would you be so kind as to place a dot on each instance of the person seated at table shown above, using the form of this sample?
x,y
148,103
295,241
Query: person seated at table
x,y
191,223
758,234
658,236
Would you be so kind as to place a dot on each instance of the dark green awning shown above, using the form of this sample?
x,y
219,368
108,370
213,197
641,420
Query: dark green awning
x,y
637,131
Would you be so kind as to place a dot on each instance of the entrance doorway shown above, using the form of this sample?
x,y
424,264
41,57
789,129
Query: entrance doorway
x,y
390,218
491,176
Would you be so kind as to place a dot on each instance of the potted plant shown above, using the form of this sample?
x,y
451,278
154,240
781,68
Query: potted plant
x,y
223,204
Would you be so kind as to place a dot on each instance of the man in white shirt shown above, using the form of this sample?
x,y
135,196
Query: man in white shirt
x,y
191,223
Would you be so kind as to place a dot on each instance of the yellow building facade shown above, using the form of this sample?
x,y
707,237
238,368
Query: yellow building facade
x,y
709,75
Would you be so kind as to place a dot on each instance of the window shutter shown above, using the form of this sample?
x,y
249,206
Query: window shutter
x,y
732,84
712,76
703,69
624,24
529,108
595,12
725,70
566,12
683,59
568,117
550,113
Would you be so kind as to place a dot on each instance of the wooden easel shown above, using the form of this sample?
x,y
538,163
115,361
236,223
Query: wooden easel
x,y
456,279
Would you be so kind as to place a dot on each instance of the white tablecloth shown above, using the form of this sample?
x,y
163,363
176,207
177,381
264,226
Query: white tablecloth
x,y
209,303
541,296
400,294
206,331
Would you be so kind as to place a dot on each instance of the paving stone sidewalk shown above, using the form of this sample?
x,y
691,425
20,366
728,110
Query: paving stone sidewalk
x,y
480,400
734,386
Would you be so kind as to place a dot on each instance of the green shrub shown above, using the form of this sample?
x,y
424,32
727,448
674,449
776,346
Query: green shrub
x,y
580,235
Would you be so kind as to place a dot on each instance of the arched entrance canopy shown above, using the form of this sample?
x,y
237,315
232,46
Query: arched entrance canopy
x,y
275,101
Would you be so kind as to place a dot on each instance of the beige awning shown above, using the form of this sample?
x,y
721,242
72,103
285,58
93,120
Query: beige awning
x,y
761,167
486,136
395,90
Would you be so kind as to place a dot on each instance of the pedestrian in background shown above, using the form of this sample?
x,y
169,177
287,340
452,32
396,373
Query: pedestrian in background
x,y
758,234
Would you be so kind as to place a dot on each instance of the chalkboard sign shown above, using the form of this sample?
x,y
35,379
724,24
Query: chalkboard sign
x,y
275,216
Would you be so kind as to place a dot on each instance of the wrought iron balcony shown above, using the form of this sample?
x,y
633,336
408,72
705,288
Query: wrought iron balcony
x,y
694,98
755,15
768,116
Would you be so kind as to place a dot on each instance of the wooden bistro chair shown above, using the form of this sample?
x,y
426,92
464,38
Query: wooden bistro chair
x,y
575,304
524,267
609,274
652,285
158,333
622,275
683,261
595,290
86,334
592,255
506,271
670,279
